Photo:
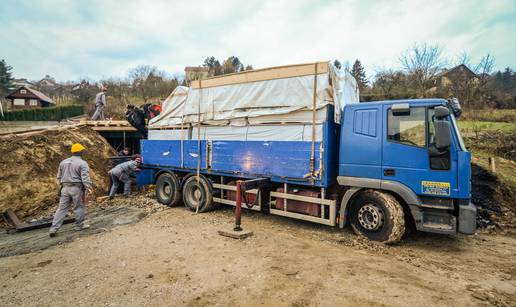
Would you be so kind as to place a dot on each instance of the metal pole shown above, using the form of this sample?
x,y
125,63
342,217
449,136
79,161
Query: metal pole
x,y
238,208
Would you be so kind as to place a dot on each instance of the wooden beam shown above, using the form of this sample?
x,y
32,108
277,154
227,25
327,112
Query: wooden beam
x,y
264,74
114,128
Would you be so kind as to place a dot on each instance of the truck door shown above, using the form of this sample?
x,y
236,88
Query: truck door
x,y
410,155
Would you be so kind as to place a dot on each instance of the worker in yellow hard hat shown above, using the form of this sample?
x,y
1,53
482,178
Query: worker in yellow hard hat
x,y
77,148
74,178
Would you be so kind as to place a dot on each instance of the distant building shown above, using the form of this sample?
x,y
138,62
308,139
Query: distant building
x,y
457,73
196,73
21,82
25,97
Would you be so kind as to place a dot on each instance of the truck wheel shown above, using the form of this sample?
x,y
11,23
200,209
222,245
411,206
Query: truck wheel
x,y
198,194
168,189
378,216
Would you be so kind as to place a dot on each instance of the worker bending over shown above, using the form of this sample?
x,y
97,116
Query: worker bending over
x,y
121,174
74,178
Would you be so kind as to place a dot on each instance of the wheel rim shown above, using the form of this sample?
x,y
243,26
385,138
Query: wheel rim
x,y
371,217
166,190
195,196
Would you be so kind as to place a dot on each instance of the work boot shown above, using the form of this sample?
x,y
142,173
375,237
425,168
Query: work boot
x,y
52,233
82,227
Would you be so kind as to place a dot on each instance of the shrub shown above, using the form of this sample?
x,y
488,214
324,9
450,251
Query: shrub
x,y
44,114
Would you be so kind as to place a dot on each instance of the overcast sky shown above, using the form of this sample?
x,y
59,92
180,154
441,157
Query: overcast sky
x,y
100,39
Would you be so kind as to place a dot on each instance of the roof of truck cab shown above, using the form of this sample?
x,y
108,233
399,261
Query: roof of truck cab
x,y
390,102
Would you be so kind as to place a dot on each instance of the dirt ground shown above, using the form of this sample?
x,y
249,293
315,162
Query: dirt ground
x,y
174,257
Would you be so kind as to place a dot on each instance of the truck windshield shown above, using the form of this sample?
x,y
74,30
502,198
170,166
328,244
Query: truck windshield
x,y
457,132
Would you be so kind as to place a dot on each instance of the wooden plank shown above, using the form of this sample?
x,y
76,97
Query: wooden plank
x,y
264,74
307,199
104,128
14,219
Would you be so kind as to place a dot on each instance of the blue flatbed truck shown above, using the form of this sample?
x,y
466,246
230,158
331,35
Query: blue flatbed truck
x,y
389,165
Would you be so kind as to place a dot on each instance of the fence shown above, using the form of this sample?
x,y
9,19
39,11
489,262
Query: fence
x,y
43,114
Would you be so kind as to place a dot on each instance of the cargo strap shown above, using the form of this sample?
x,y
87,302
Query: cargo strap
x,y
314,106
199,143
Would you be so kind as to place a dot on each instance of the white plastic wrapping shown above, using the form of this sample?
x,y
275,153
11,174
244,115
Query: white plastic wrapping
x,y
280,100
302,132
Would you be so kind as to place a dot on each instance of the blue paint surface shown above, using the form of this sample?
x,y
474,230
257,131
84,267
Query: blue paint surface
x,y
366,152
282,161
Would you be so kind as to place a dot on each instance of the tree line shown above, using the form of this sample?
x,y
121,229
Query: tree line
x,y
423,72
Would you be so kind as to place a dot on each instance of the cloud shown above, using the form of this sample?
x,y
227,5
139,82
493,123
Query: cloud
x,y
101,38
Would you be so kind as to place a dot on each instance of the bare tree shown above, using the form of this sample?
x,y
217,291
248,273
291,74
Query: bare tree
x,y
139,76
422,62
469,83
390,83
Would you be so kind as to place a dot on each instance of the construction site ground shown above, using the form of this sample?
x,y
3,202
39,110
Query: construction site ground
x,y
141,253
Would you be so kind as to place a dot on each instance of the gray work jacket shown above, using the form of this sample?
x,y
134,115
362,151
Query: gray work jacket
x,y
127,168
74,170
100,99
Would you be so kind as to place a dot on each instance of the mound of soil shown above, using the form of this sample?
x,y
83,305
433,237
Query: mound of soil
x,y
498,143
30,162
493,199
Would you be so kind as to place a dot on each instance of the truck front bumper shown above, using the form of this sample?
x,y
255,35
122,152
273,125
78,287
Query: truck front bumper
x,y
467,218
437,220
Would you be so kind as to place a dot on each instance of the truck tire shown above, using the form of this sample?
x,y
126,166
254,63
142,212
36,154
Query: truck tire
x,y
377,216
168,189
198,193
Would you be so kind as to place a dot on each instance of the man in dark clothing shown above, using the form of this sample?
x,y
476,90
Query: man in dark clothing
x,y
121,174
124,156
136,118
124,152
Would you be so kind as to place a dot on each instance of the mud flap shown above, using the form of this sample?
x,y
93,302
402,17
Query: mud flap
x,y
467,219
145,177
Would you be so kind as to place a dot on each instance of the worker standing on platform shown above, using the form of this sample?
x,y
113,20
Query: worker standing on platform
x,y
121,174
100,104
75,182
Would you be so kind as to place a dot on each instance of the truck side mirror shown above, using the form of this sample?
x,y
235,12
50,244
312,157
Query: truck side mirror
x,y
442,134
441,112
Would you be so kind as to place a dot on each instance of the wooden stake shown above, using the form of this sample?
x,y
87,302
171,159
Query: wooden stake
x,y
492,164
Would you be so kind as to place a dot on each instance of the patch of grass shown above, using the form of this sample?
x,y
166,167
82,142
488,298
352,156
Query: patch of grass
x,y
505,169
492,115
483,126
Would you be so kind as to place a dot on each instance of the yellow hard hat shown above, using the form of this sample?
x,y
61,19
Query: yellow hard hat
x,y
77,148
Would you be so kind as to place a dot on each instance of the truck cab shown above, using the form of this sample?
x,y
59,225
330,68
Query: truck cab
x,y
408,152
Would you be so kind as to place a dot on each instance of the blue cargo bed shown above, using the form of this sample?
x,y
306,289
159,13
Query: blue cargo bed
x,y
281,161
